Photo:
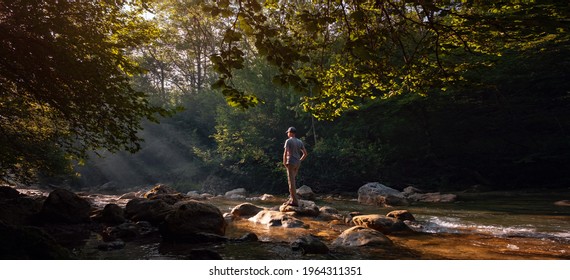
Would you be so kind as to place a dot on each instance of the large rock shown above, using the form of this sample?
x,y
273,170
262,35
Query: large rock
x,y
63,206
378,194
166,194
361,236
160,189
191,219
245,210
305,208
380,223
309,244
239,193
29,243
153,211
305,192
272,218
112,214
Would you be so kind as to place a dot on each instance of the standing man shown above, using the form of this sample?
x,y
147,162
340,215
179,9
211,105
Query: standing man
x,y
293,154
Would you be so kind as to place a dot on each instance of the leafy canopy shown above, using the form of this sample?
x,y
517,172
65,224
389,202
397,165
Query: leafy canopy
x,y
65,79
340,53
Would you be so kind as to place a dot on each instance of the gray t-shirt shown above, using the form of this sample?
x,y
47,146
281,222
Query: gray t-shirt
x,y
294,146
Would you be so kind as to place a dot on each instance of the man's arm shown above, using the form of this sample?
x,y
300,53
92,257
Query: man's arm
x,y
304,151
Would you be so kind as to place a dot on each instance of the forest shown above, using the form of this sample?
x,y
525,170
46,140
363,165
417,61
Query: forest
x,y
197,94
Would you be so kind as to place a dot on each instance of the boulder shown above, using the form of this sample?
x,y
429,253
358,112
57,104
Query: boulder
x,y
192,220
63,206
378,194
305,192
236,194
276,219
380,223
166,194
309,244
245,210
160,189
29,243
112,214
401,215
361,236
153,211
305,208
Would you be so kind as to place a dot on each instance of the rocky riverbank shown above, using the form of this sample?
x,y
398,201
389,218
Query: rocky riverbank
x,y
163,223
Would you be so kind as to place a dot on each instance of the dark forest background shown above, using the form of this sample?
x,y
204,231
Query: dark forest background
x,y
505,124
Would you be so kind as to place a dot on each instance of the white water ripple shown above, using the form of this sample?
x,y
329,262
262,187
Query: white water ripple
x,y
455,225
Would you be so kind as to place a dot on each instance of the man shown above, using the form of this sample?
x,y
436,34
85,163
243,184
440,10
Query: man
x,y
293,154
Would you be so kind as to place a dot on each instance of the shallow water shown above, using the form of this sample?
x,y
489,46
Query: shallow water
x,y
478,226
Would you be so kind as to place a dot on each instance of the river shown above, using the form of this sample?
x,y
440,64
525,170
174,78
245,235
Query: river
x,y
484,226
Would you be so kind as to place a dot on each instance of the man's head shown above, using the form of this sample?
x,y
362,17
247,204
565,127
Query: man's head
x,y
291,130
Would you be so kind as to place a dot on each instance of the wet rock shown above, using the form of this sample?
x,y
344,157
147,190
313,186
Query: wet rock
x,y
29,243
160,189
361,236
276,219
166,194
153,211
63,206
401,215
112,214
305,208
350,216
245,210
193,220
380,223
309,244
236,194
305,192
378,194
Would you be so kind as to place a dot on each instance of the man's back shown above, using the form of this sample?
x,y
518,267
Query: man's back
x,y
294,146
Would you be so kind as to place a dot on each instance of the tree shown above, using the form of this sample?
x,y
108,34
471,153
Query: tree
x,y
342,53
65,80
178,60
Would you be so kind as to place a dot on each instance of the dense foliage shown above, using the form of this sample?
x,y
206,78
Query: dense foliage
x,y
439,94
65,81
